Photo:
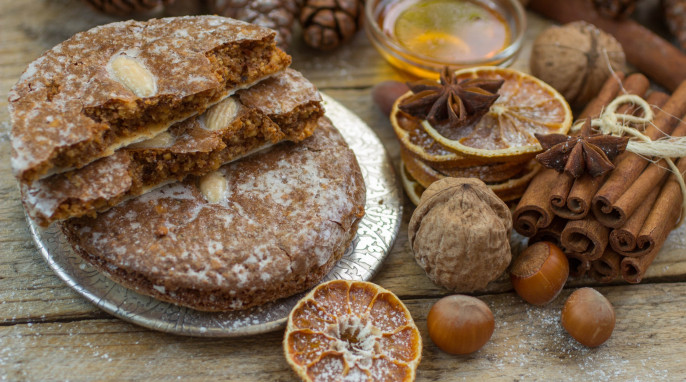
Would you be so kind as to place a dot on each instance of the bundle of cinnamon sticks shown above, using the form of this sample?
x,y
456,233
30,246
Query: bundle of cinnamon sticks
x,y
614,224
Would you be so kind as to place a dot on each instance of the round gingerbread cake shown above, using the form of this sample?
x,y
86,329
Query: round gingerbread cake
x,y
265,227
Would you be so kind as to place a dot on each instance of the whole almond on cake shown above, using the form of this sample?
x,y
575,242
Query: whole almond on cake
x,y
124,82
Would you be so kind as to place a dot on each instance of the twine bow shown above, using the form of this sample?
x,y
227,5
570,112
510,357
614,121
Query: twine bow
x,y
619,124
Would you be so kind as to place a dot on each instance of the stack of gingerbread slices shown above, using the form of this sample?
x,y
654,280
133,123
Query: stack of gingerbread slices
x,y
123,133
244,122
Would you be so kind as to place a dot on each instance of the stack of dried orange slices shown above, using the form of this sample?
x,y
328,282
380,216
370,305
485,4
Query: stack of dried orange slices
x,y
496,146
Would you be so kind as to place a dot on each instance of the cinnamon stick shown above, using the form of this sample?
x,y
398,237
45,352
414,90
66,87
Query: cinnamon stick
x,y
579,198
607,93
629,165
623,239
586,236
662,218
571,198
606,268
651,54
651,178
559,193
533,210
551,233
578,264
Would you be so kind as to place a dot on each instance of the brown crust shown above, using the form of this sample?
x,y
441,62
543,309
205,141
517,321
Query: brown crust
x,y
195,150
216,300
68,109
288,215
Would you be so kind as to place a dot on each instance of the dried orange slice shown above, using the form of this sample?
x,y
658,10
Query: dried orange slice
x,y
526,106
417,176
493,173
413,138
413,189
352,330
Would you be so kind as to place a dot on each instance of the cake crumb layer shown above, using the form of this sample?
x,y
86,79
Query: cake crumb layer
x,y
128,81
283,107
287,215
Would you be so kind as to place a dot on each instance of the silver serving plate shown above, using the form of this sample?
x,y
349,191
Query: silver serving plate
x,y
375,236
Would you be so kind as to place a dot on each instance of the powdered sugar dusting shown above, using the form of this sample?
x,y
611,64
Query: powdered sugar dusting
x,y
367,335
284,213
185,139
352,339
530,342
104,179
76,76
280,93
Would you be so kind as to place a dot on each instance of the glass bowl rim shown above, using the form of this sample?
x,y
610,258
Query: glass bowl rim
x,y
426,61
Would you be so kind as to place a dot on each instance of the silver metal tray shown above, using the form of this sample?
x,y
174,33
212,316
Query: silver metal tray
x,y
374,240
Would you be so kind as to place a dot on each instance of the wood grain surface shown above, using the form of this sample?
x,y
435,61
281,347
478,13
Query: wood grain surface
x,y
48,332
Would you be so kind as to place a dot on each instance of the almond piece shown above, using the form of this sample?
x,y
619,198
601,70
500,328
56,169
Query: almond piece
x,y
222,114
213,186
132,74
161,140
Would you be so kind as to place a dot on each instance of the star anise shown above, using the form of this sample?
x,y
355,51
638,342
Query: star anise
x,y
458,101
574,154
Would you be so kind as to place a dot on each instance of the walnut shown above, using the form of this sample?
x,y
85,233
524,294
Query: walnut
x,y
460,233
575,59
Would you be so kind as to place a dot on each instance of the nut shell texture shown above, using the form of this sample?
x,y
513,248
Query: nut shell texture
x,y
573,59
460,233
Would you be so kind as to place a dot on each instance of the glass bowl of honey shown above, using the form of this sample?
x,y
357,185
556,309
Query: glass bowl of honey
x,y
423,36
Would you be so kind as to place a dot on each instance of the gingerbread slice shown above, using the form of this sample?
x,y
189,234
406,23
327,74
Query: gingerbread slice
x,y
258,229
128,81
283,107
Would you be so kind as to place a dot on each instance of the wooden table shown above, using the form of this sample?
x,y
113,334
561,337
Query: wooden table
x,y
48,332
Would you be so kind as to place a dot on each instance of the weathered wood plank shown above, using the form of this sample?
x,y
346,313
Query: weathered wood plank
x,y
24,275
528,343
23,272
48,332
30,292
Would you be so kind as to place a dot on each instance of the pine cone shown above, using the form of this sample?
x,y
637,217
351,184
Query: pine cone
x,y
615,9
329,23
127,7
675,16
275,14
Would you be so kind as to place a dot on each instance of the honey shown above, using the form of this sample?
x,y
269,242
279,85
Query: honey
x,y
446,30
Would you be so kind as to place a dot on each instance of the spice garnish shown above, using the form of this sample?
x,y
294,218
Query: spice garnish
x,y
459,102
574,154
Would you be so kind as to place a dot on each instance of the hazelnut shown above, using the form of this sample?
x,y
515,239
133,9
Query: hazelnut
x,y
459,234
539,273
588,317
575,59
460,324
